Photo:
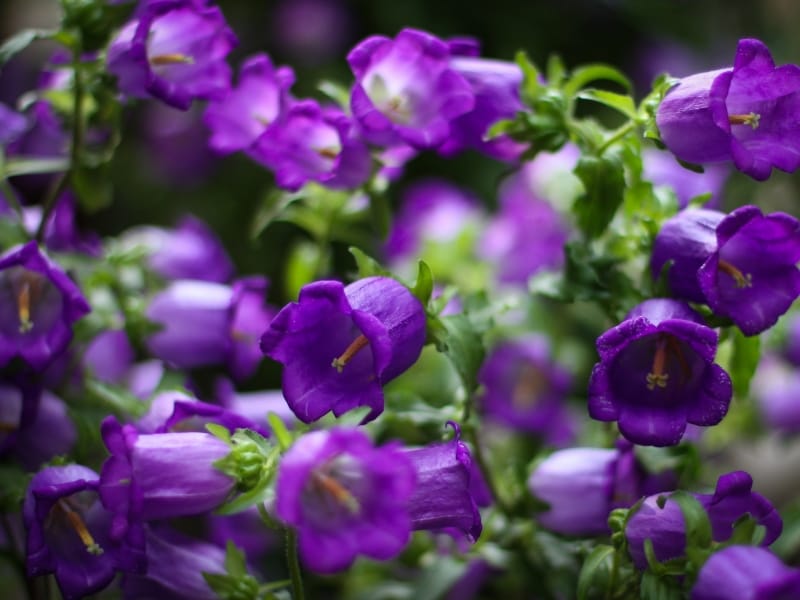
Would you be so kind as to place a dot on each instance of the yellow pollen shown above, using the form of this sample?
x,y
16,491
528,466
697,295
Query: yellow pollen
x,y
171,59
751,119
24,307
350,352
340,493
742,280
657,377
330,152
78,525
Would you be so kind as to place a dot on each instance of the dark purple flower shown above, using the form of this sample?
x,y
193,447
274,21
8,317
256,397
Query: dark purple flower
x,y
657,372
312,143
345,497
175,51
51,433
12,125
339,345
159,476
238,119
189,251
731,500
742,265
38,304
661,169
442,497
746,573
406,89
583,485
525,390
68,532
745,114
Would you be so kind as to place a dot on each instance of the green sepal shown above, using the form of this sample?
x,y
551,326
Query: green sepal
x,y
279,430
252,462
366,265
695,517
423,286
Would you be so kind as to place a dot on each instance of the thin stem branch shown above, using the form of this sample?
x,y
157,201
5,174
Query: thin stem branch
x,y
617,135
293,562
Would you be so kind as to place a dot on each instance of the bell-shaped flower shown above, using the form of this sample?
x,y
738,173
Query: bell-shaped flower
x,y
406,89
174,50
665,526
38,304
339,345
657,373
745,573
742,265
745,114
345,497
68,532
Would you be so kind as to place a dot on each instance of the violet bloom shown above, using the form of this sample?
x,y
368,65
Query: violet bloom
x,y
189,251
12,125
61,233
345,497
312,32
742,265
746,573
731,500
50,434
776,390
175,51
657,373
339,345
526,391
146,477
38,304
68,532
208,323
406,89
238,119
254,406
662,170
109,356
583,485
745,114
313,143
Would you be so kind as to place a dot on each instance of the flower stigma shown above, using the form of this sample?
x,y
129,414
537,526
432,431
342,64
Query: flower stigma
x,y
751,119
92,547
333,488
171,59
357,344
742,280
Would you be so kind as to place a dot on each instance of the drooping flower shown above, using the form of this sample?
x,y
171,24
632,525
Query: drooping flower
x,y
174,50
742,265
744,114
583,485
345,497
657,373
665,526
745,573
68,532
524,389
406,89
38,304
238,119
339,345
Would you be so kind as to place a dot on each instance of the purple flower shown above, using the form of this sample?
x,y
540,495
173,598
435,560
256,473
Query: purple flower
x,y
312,32
208,323
657,372
109,356
745,114
189,251
345,497
38,304
745,573
147,477
583,485
68,532
61,232
406,89
254,406
19,407
312,143
339,345
238,119
662,170
742,265
442,497
12,125
731,500
51,433
174,51
525,390
776,390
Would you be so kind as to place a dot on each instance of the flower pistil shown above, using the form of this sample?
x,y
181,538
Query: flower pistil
x,y
751,119
75,521
743,280
357,344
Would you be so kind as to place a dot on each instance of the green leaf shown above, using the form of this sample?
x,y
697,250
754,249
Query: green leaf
x,y
654,587
423,287
336,92
603,178
366,265
585,75
282,435
380,213
596,567
530,77
555,71
464,347
22,40
619,102
93,187
235,561
236,583
437,577
744,360
272,206
301,266
26,165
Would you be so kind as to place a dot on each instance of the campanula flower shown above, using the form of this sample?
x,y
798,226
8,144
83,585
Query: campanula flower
x,y
745,573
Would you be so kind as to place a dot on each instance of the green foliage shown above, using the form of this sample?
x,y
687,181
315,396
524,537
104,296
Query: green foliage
x,y
603,179
236,583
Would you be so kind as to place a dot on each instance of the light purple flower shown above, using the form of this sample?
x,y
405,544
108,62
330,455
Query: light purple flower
x,y
746,573
745,114
339,345
661,169
109,356
61,234
742,265
345,497
12,124
259,100
406,89
657,372
38,304
175,51
776,390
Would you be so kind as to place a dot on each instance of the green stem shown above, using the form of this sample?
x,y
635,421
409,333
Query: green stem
x,y
612,580
274,585
617,135
295,574
11,197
